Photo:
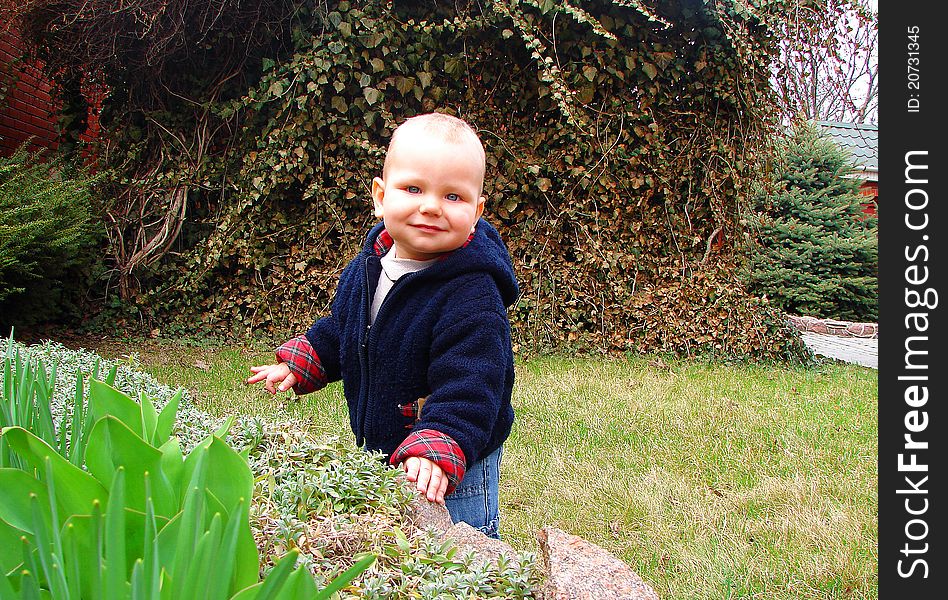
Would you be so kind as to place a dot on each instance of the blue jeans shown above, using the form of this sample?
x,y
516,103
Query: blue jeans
x,y
475,500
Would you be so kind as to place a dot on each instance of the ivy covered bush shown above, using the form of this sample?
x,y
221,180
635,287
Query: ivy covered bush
x,y
328,503
622,138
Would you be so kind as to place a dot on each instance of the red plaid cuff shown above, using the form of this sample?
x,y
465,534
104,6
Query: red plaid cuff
x,y
299,356
437,447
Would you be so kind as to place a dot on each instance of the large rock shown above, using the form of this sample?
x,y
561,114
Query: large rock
x,y
581,570
574,568
429,515
485,549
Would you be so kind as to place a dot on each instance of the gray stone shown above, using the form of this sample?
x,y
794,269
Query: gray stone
x,y
581,570
431,515
574,568
485,549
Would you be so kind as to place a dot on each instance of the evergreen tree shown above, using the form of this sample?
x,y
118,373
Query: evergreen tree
x,y
46,236
816,252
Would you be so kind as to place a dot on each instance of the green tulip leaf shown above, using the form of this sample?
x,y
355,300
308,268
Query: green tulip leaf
x,y
180,546
113,445
246,556
10,553
229,483
277,577
110,377
221,431
299,586
172,466
248,593
138,584
80,536
224,563
165,423
343,580
6,589
149,418
151,568
166,543
229,478
115,540
49,551
71,558
106,400
81,550
78,490
198,575
78,424
16,488
29,588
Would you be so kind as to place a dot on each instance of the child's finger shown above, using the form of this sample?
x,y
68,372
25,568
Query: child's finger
x,y
442,490
424,477
288,382
434,486
411,468
259,376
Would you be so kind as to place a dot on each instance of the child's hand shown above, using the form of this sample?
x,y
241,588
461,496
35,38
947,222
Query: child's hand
x,y
431,480
275,377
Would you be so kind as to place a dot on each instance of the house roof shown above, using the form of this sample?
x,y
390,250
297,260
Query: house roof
x,y
860,139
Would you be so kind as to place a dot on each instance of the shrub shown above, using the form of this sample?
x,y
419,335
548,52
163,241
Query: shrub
x,y
816,251
46,235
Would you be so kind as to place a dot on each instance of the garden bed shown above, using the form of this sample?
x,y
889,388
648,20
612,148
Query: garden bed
x,y
329,501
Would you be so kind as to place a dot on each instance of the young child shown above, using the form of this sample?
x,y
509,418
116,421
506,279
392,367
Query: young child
x,y
418,330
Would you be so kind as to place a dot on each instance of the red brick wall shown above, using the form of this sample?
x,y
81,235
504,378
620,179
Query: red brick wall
x,y
869,191
28,108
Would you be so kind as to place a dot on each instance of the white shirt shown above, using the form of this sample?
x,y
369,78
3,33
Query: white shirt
x,y
392,270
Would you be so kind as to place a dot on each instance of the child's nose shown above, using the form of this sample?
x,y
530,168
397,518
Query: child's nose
x,y
429,205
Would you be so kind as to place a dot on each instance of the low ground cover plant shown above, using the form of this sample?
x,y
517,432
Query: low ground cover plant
x,y
279,493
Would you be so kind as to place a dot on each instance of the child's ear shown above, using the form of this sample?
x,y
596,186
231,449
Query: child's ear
x,y
378,192
480,207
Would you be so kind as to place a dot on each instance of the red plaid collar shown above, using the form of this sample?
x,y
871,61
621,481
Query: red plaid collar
x,y
384,242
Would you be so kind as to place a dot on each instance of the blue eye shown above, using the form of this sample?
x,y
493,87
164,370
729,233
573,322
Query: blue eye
x,y
413,189
453,197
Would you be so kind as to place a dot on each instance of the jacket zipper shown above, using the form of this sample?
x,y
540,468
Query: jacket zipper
x,y
364,351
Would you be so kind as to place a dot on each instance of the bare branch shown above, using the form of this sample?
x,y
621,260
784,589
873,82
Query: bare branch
x,y
828,66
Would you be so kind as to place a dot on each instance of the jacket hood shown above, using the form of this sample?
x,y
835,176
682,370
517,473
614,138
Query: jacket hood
x,y
484,252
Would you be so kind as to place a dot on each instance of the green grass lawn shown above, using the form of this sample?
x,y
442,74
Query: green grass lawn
x,y
709,480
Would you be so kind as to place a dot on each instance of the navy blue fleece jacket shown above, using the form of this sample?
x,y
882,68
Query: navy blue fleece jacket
x,y
441,333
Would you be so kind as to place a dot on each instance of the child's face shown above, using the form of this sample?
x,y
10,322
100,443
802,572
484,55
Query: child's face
x,y
430,197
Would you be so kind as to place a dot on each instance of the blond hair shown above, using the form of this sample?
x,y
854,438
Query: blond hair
x,y
449,128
